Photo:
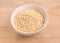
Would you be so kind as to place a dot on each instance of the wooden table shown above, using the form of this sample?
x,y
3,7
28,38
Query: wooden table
x,y
51,34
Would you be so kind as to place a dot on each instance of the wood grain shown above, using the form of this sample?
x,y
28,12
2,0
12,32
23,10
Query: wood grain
x,y
51,34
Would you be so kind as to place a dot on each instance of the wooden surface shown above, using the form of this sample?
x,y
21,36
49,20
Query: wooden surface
x,y
51,34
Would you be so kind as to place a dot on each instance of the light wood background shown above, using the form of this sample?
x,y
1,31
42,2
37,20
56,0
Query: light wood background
x,y
51,34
